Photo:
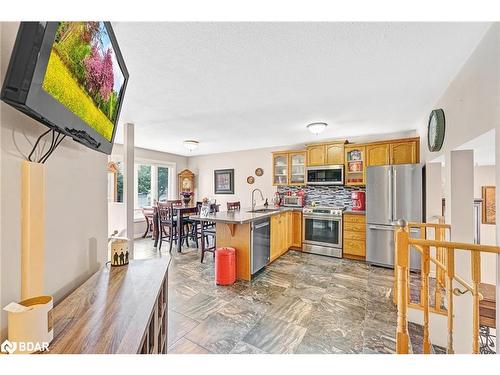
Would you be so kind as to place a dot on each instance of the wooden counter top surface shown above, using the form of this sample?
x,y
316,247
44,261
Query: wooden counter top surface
x,y
109,313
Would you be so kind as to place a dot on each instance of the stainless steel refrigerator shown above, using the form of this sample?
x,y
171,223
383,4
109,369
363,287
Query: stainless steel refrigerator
x,y
393,192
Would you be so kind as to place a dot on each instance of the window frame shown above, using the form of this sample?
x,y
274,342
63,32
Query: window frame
x,y
172,173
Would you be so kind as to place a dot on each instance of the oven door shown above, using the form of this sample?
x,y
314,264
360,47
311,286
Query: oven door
x,y
328,175
322,231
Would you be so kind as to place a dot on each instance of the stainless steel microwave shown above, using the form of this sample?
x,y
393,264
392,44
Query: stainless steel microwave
x,y
325,175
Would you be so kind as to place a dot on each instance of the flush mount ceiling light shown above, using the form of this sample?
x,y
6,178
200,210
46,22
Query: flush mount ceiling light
x,y
317,127
191,145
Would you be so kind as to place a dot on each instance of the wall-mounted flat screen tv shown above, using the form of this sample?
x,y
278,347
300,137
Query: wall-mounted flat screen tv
x,y
69,76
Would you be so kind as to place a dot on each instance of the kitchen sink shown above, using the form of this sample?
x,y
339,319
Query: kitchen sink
x,y
263,210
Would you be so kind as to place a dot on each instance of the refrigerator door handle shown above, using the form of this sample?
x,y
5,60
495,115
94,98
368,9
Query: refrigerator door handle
x,y
390,200
394,194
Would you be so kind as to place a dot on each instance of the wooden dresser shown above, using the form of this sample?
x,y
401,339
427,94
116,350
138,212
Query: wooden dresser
x,y
119,310
354,241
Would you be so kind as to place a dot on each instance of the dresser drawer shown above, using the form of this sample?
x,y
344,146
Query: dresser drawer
x,y
354,247
350,218
348,235
354,227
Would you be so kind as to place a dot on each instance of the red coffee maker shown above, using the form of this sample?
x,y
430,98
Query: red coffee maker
x,y
358,200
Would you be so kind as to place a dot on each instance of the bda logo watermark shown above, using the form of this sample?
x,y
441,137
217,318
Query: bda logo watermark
x,y
23,347
8,347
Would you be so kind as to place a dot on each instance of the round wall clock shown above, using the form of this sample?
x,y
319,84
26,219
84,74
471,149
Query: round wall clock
x,y
435,130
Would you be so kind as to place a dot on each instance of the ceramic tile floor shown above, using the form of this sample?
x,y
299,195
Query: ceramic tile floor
x,y
301,303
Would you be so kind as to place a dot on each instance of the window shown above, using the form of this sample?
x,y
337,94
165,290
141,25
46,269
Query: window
x,y
143,190
162,184
151,183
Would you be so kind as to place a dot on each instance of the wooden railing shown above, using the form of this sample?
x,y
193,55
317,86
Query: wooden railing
x,y
444,264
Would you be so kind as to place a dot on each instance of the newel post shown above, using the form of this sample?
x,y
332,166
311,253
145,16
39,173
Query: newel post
x,y
402,239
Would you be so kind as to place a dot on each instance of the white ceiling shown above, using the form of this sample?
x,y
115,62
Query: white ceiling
x,y
235,86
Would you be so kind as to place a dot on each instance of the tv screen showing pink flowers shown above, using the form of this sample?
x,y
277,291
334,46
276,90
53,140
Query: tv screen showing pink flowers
x,y
83,74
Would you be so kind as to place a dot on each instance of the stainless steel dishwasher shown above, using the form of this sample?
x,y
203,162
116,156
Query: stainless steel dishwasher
x,y
260,244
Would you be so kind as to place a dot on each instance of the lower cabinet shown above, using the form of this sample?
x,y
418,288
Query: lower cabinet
x,y
297,229
354,243
286,232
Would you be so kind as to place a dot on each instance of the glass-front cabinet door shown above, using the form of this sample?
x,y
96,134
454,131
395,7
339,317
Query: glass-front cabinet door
x,y
280,169
355,165
297,167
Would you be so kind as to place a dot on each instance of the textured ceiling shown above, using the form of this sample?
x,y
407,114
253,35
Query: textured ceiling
x,y
235,86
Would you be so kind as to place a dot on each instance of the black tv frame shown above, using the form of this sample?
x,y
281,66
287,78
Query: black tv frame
x,y
22,86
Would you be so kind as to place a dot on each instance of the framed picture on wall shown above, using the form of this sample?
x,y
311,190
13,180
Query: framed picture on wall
x,y
489,209
224,181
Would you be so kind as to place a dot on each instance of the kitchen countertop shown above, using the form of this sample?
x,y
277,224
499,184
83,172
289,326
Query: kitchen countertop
x,y
242,216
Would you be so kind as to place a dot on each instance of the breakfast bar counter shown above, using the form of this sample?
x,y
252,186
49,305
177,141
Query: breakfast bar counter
x,y
234,229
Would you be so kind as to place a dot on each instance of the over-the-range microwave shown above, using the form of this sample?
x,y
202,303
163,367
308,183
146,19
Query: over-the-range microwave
x,y
325,175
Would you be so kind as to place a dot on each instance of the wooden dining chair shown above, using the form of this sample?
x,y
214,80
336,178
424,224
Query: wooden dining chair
x,y
233,206
149,216
167,220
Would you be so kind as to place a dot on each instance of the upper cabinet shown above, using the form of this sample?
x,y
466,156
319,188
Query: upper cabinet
x,y
355,165
325,154
334,153
377,154
297,161
289,167
316,155
405,152
280,168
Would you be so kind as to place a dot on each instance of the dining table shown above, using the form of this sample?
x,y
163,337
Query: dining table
x,y
181,212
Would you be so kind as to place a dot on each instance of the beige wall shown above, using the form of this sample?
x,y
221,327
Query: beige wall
x,y
244,164
76,196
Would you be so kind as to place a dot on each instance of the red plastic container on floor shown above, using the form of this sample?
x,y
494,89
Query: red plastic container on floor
x,y
225,266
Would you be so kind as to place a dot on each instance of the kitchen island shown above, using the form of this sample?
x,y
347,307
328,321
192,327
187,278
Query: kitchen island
x,y
234,229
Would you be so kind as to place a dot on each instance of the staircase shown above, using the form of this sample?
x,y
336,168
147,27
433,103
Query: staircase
x,y
418,291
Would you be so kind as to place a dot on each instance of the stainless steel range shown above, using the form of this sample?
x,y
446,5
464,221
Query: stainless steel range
x,y
322,231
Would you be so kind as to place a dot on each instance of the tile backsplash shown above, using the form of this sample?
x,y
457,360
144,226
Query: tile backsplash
x,y
325,195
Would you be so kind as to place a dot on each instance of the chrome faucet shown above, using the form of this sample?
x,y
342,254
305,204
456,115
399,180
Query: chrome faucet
x,y
253,199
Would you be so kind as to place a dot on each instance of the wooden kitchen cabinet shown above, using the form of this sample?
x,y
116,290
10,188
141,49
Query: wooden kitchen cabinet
x,y
316,155
404,152
297,162
355,165
280,235
377,154
354,233
296,229
334,153
280,168
275,237
331,153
